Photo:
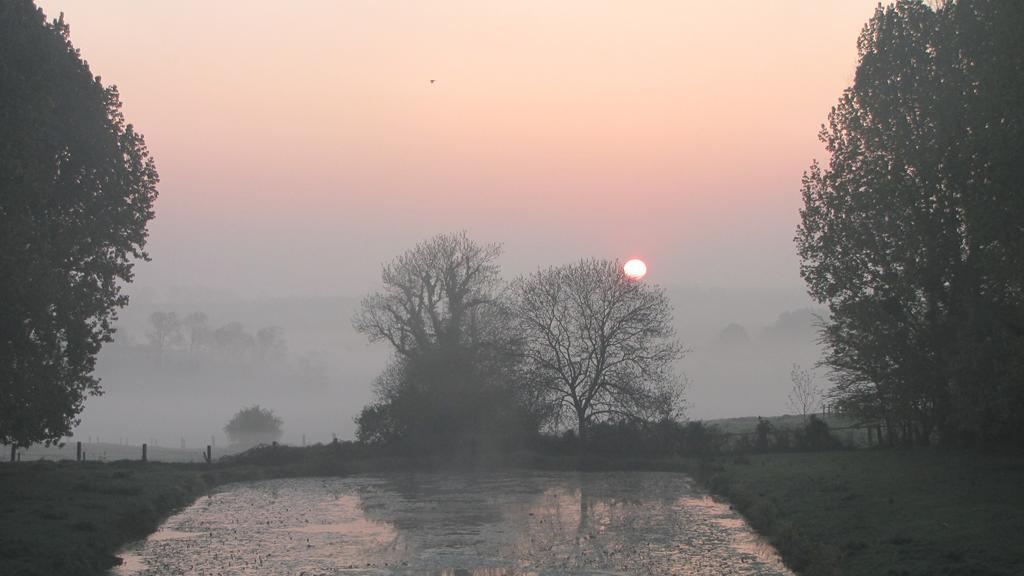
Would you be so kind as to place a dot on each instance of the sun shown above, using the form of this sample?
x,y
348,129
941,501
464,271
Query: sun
x,y
634,269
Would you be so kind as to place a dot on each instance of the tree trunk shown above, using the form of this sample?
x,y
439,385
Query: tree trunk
x,y
581,419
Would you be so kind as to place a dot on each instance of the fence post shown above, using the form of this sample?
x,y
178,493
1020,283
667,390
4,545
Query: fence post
x,y
78,451
14,452
144,451
209,454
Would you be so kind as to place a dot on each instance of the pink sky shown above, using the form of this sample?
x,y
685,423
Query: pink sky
x,y
300,144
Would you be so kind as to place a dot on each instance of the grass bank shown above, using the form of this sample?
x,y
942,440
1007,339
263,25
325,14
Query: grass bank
x,y
70,518
879,512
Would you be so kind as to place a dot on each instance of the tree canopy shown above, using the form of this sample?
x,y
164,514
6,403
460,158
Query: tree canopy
x,y
597,344
432,294
483,364
451,386
913,233
77,186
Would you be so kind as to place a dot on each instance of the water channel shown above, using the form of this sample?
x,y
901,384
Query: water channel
x,y
494,524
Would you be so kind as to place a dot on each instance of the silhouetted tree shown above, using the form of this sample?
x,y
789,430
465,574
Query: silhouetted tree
x,y
77,187
164,332
805,396
762,432
253,425
452,385
196,330
430,294
913,233
597,344
232,341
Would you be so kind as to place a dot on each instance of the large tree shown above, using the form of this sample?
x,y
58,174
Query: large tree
x,y
597,344
432,295
451,385
913,234
77,186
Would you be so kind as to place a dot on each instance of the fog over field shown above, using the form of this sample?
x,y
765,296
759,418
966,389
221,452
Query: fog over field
x,y
301,148
741,349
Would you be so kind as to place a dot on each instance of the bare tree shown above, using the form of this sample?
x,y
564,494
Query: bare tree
x,y
805,396
598,344
431,294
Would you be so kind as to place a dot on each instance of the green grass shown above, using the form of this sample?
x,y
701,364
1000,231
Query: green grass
x,y
69,518
747,424
878,512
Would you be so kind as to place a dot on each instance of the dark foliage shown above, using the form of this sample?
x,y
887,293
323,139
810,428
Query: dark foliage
x,y
253,425
77,187
816,436
453,384
447,401
913,234
637,439
761,433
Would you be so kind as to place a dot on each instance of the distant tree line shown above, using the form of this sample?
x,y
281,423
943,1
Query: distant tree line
x,y
913,233
190,352
192,334
482,364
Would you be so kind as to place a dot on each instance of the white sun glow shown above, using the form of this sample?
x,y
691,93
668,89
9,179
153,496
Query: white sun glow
x,y
634,269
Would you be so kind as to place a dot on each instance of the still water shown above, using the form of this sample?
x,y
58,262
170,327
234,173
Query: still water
x,y
500,524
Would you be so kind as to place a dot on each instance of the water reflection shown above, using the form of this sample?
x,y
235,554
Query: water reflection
x,y
515,524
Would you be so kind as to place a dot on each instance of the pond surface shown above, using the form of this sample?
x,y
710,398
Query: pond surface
x,y
500,524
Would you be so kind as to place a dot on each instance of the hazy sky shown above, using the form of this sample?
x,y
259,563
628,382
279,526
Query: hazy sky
x,y
300,144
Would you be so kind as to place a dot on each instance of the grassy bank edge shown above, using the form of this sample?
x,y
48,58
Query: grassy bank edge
x,y
800,551
73,518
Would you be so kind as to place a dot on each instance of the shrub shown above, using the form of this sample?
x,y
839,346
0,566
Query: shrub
x,y
253,425
816,435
